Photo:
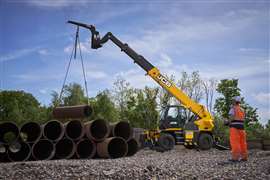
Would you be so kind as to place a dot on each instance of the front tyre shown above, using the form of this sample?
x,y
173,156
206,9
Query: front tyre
x,y
205,141
166,141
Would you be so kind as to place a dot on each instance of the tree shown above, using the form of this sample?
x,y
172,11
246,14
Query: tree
x,y
209,89
142,108
228,89
122,93
73,94
20,107
104,107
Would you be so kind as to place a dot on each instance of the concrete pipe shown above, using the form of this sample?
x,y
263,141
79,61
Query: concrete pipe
x,y
53,130
133,147
31,132
9,132
3,153
113,147
74,130
122,129
72,112
64,149
43,150
23,154
97,130
86,148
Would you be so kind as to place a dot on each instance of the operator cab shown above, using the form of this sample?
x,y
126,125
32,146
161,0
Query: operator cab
x,y
173,116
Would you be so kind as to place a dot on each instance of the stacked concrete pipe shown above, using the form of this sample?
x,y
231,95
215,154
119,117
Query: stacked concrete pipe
x,y
55,140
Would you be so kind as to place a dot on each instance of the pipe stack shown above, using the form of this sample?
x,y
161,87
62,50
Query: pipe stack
x,y
74,139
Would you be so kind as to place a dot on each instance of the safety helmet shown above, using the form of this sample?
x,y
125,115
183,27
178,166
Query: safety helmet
x,y
237,98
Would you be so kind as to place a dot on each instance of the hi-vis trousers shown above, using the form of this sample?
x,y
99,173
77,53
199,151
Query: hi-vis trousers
x,y
238,144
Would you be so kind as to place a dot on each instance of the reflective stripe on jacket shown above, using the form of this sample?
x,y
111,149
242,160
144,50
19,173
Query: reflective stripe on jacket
x,y
238,117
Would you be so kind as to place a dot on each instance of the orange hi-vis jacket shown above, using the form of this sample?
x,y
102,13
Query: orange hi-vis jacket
x,y
238,117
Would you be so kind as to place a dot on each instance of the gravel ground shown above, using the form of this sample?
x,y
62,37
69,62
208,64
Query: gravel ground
x,y
179,163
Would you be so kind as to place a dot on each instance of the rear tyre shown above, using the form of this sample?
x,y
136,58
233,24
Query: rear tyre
x,y
166,142
205,141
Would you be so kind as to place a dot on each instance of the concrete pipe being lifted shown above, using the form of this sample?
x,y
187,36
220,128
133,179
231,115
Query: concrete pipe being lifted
x,y
72,112
64,149
133,147
97,130
23,154
122,129
31,132
113,147
74,130
86,148
9,132
53,130
43,150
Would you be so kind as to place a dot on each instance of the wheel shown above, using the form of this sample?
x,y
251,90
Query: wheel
x,y
205,141
166,141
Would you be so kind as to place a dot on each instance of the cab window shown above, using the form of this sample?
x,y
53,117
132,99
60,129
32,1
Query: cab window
x,y
173,112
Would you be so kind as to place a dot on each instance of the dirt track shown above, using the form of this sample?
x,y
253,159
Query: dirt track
x,y
179,163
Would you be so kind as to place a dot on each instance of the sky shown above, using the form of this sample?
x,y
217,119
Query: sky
x,y
220,39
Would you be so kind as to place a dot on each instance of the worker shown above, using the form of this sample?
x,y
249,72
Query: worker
x,y
237,132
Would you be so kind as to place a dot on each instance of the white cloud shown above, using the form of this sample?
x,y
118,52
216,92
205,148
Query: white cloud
x,y
262,97
18,54
56,3
43,52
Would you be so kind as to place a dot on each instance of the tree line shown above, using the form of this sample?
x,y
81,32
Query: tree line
x,y
141,107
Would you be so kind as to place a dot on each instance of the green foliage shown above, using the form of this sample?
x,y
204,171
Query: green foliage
x,y
255,131
20,107
220,131
104,107
228,89
142,108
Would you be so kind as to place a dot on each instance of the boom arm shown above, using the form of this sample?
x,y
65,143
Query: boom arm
x,y
204,122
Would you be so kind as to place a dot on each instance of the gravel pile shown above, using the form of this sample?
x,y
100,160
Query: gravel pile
x,y
179,163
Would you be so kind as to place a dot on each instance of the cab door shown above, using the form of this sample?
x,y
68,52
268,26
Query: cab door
x,y
172,117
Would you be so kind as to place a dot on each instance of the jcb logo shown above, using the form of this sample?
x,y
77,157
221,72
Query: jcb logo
x,y
164,80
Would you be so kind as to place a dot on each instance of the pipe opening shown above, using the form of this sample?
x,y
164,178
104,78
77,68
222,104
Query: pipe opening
x,y
43,149
99,129
117,147
53,130
74,129
64,148
86,149
122,129
132,147
9,132
31,132
22,155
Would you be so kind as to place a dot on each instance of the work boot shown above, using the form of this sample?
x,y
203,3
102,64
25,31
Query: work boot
x,y
233,160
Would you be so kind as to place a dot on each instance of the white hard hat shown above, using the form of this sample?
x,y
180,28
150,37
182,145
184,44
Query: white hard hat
x,y
237,98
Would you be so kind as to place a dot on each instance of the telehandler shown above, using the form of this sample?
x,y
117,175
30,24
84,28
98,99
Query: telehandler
x,y
174,126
